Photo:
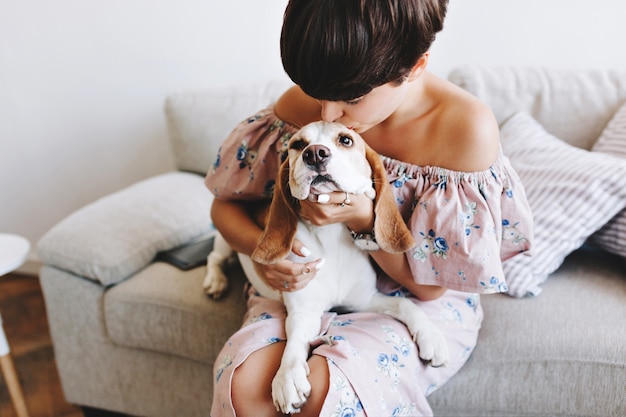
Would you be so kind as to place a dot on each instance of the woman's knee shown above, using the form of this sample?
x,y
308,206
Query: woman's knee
x,y
251,388
252,383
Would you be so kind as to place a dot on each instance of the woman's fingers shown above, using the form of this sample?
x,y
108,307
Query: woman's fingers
x,y
299,249
341,207
291,276
337,198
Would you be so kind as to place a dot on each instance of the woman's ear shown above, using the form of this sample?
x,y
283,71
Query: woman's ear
x,y
419,68
391,232
280,230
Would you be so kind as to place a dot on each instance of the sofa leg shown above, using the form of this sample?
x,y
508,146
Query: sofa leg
x,y
96,412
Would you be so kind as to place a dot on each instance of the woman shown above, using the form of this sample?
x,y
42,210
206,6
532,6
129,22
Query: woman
x,y
363,63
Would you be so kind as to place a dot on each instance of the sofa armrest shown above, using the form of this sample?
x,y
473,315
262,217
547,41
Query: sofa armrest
x,y
117,235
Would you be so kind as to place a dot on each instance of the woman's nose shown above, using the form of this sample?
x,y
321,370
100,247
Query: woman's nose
x,y
331,111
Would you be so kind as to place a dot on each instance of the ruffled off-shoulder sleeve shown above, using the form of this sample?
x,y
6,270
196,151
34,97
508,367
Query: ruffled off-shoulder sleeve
x,y
465,224
247,162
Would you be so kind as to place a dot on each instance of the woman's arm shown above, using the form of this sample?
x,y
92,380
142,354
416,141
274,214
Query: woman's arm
x,y
234,221
396,266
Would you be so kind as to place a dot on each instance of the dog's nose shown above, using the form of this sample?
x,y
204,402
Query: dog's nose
x,y
316,156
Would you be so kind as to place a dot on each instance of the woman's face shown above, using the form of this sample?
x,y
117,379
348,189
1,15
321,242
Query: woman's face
x,y
367,111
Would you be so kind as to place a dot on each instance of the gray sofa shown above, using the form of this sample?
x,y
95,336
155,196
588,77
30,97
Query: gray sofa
x,y
139,337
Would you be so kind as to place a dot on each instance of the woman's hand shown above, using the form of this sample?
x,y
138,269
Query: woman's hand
x,y
287,275
356,211
358,215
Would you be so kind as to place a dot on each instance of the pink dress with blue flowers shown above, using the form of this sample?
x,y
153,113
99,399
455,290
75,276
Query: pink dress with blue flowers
x,y
465,224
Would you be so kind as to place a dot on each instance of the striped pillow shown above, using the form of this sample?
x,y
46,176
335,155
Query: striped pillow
x,y
612,237
571,191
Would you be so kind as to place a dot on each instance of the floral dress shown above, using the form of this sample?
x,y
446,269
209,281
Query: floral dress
x,y
465,225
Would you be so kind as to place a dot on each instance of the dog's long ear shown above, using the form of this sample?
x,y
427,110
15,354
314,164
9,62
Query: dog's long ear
x,y
392,234
280,230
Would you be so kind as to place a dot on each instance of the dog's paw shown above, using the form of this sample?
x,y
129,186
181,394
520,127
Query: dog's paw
x,y
215,283
432,345
291,388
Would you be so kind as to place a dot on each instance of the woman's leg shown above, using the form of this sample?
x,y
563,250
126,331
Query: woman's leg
x,y
319,379
252,383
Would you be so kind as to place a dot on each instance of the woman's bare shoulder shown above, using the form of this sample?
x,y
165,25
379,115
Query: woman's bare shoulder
x,y
295,107
471,131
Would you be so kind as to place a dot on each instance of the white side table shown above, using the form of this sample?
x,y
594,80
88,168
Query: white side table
x,y
13,252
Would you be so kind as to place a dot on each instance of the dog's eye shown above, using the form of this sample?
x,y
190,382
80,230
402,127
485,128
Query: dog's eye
x,y
345,140
297,144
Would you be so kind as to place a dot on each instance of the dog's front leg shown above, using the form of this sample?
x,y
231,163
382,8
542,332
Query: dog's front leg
x,y
291,387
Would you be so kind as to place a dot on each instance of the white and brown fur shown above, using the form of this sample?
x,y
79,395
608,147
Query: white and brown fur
x,y
326,157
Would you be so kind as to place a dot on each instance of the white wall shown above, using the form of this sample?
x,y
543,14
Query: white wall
x,y
548,33
82,82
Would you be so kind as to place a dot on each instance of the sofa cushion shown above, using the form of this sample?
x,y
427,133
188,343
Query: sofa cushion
x,y
561,354
198,121
613,137
573,105
114,237
572,193
612,237
164,309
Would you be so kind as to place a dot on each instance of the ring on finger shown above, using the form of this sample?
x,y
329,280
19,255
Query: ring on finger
x,y
306,270
285,285
346,201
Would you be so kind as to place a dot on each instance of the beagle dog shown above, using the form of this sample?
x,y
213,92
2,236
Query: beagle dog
x,y
324,157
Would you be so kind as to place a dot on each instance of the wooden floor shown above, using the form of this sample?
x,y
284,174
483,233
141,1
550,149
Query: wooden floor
x,y
26,327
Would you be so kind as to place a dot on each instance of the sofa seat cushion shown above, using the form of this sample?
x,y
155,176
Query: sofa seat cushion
x,y
563,353
164,309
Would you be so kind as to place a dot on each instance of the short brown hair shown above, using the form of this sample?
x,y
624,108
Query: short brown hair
x,y
342,49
